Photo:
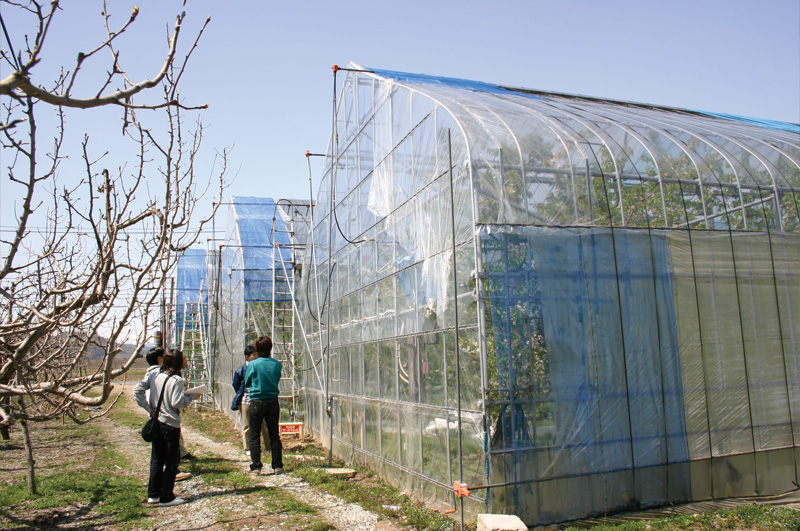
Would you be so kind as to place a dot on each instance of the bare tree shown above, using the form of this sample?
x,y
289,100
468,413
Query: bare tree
x,y
89,258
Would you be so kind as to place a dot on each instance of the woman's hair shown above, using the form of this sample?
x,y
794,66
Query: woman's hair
x,y
173,362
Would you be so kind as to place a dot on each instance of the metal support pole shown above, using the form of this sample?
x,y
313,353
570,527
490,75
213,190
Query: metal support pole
x,y
335,164
455,312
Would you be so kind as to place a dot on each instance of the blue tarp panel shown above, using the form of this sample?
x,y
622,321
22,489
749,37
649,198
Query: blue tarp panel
x,y
587,317
190,282
254,221
466,84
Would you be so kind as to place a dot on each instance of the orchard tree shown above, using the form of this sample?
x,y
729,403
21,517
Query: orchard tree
x,y
92,245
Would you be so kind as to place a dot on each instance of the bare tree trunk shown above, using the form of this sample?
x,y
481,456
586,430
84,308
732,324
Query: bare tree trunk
x,y
29,455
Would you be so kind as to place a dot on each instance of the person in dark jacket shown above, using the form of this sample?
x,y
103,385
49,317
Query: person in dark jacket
x,y
261,378
241,401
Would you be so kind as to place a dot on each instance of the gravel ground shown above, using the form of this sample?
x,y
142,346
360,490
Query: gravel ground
x,y
213,508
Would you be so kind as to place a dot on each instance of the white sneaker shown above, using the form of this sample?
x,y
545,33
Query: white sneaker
x,y
152,500
277,471
247,452
176,501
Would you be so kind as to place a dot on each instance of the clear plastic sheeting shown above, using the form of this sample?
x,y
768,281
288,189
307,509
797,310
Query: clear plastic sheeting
x,y
250,278
586,305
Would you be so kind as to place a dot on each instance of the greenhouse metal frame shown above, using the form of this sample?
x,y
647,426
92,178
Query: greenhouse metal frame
x,y
576,305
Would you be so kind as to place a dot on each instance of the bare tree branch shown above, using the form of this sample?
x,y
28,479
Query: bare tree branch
x,y
19,81
91,257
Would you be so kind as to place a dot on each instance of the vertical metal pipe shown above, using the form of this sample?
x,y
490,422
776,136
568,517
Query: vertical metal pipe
x,y
313,267
589,192
455,313
173,315
335,164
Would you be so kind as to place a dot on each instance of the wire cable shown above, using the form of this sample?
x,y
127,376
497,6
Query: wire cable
x,y
10,46
335,157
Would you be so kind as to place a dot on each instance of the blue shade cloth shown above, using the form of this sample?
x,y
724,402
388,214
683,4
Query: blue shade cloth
x,y
464,84
481,86
761,122
254,219
190,282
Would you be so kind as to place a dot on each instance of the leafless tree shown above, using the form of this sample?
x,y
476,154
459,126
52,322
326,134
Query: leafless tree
x,y
89,258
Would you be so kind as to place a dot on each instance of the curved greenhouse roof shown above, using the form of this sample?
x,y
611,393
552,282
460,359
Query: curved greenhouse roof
x,y
557,160
255,226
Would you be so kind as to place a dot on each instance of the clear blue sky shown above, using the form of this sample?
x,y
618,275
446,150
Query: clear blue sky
x,y
265,67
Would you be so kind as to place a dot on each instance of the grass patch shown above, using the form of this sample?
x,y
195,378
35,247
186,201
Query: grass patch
x,y
121,413
99,489
374,497
310,450
270,500
745,517
277,501
218,472
215,425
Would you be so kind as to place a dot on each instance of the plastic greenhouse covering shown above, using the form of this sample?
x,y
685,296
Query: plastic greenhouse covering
x,y
250,277
581,305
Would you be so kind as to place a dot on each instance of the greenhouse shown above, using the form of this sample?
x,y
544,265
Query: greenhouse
x,y
574,306
251,293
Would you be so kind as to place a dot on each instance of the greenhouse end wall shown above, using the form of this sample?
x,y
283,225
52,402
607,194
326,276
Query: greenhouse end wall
x,y
643,367
251,282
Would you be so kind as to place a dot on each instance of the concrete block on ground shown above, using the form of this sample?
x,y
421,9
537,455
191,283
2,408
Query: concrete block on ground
x,y
500,522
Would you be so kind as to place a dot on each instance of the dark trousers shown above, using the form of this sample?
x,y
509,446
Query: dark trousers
x,y
164,459
268,411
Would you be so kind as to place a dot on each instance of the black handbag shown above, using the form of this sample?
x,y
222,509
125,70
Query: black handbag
x,y
151,429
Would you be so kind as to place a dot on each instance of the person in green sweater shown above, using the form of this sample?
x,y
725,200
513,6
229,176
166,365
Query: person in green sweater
x,y
261,379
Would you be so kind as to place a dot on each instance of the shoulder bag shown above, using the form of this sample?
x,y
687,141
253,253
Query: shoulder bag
x,y
151,430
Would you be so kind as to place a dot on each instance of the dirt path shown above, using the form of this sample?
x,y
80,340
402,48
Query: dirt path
x,y
213,508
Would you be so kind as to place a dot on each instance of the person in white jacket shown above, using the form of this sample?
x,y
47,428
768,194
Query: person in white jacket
x,y
165,452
